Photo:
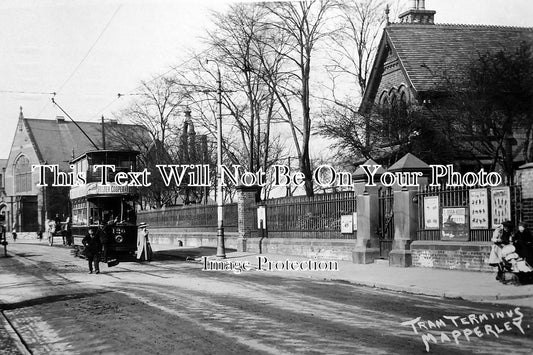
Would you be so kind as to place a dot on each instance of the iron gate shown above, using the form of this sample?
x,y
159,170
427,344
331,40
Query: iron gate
x,y
385,230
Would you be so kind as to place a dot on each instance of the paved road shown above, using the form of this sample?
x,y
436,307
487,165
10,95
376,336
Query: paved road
x,y
171,306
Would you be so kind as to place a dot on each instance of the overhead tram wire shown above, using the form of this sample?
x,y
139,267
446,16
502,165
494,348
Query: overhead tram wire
x,y
26,92
82,131
101,111
132,92
90,50
45,106
174,68
81,62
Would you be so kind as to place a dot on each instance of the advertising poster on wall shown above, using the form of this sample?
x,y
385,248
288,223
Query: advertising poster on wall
x,y
347,224
500,205
454,224
479,209
431,212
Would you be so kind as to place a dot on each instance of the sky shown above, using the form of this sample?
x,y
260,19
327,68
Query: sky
x,y
88,51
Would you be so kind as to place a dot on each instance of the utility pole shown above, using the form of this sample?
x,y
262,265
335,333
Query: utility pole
x,y
221,250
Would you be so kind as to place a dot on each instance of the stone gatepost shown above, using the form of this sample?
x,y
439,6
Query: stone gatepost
x,y
367,244
405,227
405,209
246,200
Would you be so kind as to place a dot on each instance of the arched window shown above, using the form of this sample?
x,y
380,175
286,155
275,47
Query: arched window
x,y
403,98
384,100
22,174
394,102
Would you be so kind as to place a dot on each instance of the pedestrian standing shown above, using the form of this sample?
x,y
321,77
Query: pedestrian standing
x,y
105,238
92,250
144,250
14,235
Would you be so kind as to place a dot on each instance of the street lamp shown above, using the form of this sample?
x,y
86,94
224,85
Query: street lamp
x,y
221,250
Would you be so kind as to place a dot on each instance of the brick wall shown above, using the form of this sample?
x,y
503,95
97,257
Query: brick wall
x,y
392,77
330,249
469,256
174,237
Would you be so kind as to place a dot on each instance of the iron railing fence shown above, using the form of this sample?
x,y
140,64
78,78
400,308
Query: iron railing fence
x,y
193,217
310,217
460,197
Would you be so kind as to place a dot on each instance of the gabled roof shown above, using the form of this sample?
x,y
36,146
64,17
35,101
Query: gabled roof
x,y
409,163
56,141
426,52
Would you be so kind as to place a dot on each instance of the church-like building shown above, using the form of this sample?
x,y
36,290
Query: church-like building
x,y
45,141
416,60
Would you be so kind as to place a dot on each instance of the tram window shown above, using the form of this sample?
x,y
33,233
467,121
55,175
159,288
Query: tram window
x,y
79,215
102,210
95,215
128,212
112,161
125,164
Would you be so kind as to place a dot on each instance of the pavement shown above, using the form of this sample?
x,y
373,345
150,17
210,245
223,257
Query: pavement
x,y
467,285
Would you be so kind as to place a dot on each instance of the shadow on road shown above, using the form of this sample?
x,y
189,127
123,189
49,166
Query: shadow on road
x,y
27,255
48,299
186,254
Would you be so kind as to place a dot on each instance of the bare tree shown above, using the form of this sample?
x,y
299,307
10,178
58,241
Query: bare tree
x,y
352,52
353,48
156,109
493,103
295,30
156,106
250,107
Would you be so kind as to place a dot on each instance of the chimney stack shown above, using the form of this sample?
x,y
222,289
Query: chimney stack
x,y
418,14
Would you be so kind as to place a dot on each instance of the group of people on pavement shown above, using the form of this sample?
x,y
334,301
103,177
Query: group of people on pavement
x,y
58,227
97,245
512,253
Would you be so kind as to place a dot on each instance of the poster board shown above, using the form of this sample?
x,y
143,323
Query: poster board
x,y
261,217
500,205
431,212
479,209
454,224
347,224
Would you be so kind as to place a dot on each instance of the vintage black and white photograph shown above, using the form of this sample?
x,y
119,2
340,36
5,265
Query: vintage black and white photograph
x,y
266,177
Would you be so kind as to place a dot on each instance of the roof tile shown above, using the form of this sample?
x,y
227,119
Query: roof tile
x,y
431,52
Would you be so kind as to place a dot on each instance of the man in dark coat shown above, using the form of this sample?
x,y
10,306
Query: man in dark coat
x,y
523,242
106,235
93,246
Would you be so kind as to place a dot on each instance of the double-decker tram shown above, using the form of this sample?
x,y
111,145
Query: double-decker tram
x,y
106,206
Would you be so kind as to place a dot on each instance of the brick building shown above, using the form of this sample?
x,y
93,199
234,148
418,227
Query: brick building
x,y
417,58
42,141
